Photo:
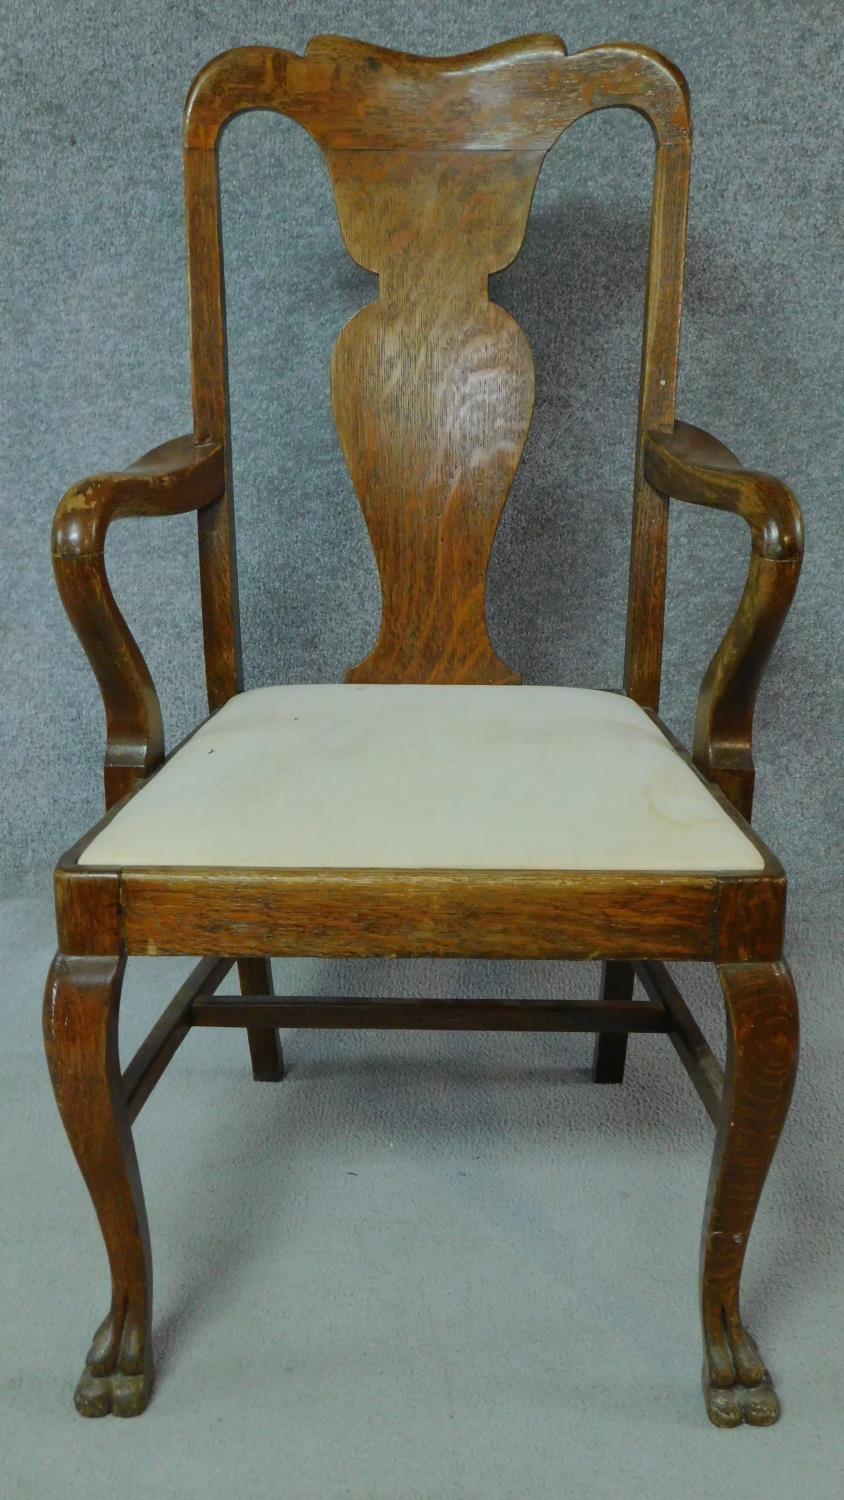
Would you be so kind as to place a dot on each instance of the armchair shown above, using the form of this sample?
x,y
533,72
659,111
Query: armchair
x,y
431,805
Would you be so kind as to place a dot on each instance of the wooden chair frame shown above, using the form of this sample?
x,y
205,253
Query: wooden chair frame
x,y
365,106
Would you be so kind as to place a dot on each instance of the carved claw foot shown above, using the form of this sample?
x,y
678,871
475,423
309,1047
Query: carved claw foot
x,y
118,1372
736,1385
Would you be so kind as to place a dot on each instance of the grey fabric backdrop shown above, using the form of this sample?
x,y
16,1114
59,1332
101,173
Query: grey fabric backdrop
x,y
96,369
498,1231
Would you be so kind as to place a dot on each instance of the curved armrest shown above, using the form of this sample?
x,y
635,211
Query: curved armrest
x,y
689,465
177,477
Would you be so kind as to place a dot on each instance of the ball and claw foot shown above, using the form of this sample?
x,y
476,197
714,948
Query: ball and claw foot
x,y
736,1385
118,1373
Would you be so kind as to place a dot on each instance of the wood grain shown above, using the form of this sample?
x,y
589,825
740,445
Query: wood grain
x,y
433,163
686,1036
441,913
762,1046
81,1005
161,1044
354,96
689,465
657,398
209,378
179,476
88,917
433,392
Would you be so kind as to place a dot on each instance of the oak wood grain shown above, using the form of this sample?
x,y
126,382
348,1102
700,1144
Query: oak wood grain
x,y
88,916
690,465
161,1044
81,1004
762,1047
433,391
179,476
351,95
433,163
443,913
685,1036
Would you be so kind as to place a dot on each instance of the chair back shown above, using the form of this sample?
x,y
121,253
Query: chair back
x,y
434,162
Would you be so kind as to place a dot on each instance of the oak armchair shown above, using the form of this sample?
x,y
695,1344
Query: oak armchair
x,y
431,805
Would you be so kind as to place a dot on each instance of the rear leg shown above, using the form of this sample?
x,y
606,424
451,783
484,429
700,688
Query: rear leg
x,y
256,978
610,1053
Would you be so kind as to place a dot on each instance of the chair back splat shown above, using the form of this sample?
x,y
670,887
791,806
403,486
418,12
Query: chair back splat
x,y
434,162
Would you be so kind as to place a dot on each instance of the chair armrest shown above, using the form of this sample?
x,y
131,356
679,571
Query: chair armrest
x,y
177,477
689,465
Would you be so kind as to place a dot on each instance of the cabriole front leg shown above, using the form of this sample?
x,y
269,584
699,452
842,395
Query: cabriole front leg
x,y
80,1033
762,1043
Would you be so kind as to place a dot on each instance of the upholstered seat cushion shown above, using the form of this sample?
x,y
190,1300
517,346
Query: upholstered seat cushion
x,y
530,778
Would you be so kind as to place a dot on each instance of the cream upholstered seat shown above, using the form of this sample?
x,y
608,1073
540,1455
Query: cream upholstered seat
x,y
417,777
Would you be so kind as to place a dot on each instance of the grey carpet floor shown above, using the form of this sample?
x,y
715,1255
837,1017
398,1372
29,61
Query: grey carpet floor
x,y
423,1266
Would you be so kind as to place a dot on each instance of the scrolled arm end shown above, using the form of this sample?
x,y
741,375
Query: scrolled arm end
x,y
81,520
689,464
778,532
176,477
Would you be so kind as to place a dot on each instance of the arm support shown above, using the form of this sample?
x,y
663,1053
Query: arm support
x,y
177,477
688,464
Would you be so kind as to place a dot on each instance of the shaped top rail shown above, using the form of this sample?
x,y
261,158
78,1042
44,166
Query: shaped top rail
x,y
518,95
